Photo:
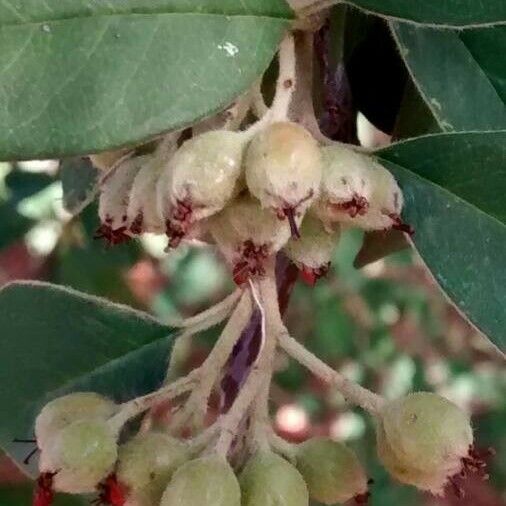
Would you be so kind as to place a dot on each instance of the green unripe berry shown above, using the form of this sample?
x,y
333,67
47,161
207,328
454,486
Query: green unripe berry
x,y
115,193
146,463
247,235
58,413
82,454
142,212
423,438
332,471
202,177
270,480
346,184
283,168
206,481
403,473
312,252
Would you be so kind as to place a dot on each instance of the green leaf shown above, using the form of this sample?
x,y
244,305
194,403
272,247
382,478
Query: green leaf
x,y
451,13
78,82
52,10
12,225
463,82
454,187
79,180
21,496
55,339
414,118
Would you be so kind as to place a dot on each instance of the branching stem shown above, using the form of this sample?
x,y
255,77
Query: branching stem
x,y
135,407
285,87
260,372
209,372
353,392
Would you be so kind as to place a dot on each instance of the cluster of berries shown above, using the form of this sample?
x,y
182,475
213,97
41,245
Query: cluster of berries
x,y
423,440
251,195
80,454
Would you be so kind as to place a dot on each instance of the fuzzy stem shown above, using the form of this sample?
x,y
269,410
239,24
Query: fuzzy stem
x,y
286,82
135,407
202,321
260,408
369,401
211,368
285,87
219,310
260,414
259,107
268,301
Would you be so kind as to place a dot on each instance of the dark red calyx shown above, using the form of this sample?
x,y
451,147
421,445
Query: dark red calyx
x,y
137,225
362,498
357,206
112,492
251,262
311,275
398,224
289,213
44,494
112,236
474,463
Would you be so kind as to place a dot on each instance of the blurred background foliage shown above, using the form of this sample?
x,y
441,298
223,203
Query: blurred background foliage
x,y
385,325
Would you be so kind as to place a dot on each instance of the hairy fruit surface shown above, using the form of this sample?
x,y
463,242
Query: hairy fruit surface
x,y
332,471
147,462
62,411
206,480
424,439
270,480
204,176
283,169
81,455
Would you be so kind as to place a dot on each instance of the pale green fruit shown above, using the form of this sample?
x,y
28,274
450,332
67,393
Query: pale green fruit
x,y
247,235
82,454
208,481
422,439
142,212
204,175
58,413
147,462
115,192
332,471
283,168
270,480
429,430
431,481
312,252
346,184
385,203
